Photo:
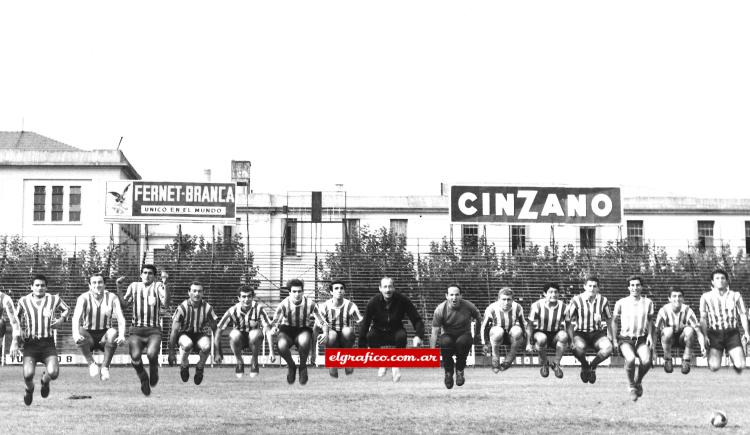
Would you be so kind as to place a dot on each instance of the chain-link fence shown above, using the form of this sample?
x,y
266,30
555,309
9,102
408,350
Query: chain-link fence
x,y
479,266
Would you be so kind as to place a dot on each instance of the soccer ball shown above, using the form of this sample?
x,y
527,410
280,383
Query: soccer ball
x,y
718,419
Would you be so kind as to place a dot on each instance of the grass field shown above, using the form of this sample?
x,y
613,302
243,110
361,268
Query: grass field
x,y
515,401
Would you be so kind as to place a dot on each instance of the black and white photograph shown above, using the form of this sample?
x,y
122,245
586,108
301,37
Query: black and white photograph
x,y
374,217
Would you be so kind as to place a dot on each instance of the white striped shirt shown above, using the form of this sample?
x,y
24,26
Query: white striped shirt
x,y
97,314
722,311
338,317
505,319
684,317
6,305
297,315
588,315
146,302
36,315
194,318
545,317
634,314
244,321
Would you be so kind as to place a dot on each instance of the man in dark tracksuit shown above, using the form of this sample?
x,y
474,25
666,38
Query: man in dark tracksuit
x,y
385,313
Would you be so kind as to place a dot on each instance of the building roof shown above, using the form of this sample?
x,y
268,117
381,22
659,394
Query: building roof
x,y
30,141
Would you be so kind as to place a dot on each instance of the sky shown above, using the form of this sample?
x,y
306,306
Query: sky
x,y
392,97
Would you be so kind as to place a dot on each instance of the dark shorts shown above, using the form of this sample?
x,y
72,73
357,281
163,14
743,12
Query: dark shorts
x,y
377,338
551,338
143,334
724,339
678,340
294,331
636,342
39,349
97,335
590,337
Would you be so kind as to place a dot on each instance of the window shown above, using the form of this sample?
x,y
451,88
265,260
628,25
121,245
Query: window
x,y
351,230
470,238
74,206
705,235
588,238
227,236
40,197
517,238
747,237
57,203
398,227
635,233
290,237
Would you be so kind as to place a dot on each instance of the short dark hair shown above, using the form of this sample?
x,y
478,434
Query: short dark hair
x,y
593,278
336,281
550,285
149,266
721,271
453,285
39,277
635,278
675,290
196,282
99,274
245,289
505,291
295,283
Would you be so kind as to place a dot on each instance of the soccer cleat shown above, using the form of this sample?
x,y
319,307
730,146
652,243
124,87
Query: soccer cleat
x,y
495,364
254,369
668,365
45,388
639,390
93,370
185,373
145,385
303,374
592,376
633,394
153,371
685,367
198,378
382,371
460,377
291,373
558,370
396,374
348,371
239,370
505,366
584,374
544,370
28,396
448,380
105,374
334,372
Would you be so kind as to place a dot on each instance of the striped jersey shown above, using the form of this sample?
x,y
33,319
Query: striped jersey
x,y
338,317
588,315
505,319
98,314
6,304
684,317
634,314
547,318
297,315
245,320
194,318
147,301
722,311
36,315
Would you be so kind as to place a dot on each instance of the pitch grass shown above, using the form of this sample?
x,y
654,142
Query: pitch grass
x,y
515,401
